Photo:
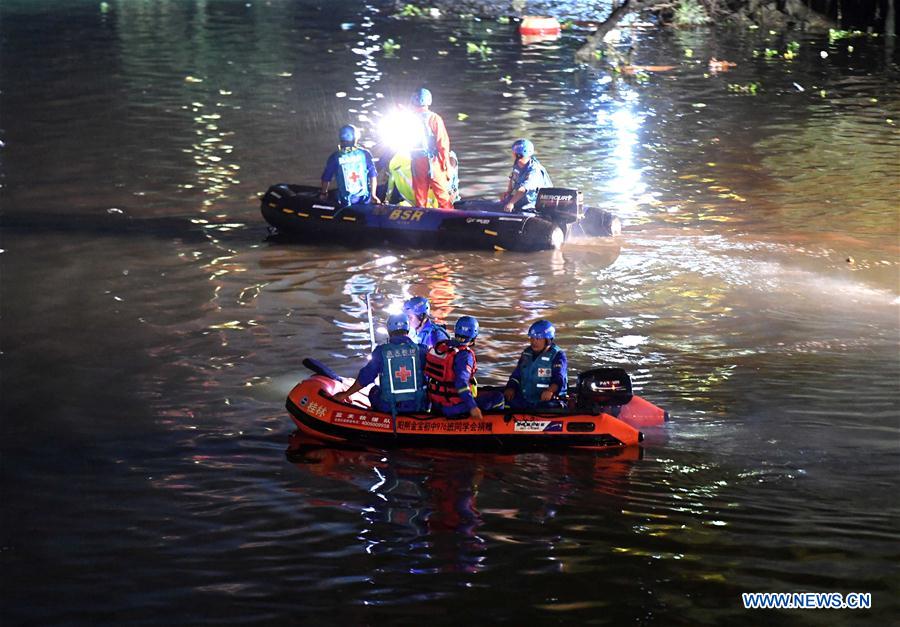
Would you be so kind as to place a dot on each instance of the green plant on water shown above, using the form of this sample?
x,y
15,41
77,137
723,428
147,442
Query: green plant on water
x,y
483,49
410,10
598,54
503,20
836,35
771,52
690,13
739,88
390,47
794,47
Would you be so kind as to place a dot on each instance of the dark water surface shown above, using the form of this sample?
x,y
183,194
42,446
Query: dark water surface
x,y
150,333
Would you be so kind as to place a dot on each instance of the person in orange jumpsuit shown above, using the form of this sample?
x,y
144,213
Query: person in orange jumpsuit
x,y
431,158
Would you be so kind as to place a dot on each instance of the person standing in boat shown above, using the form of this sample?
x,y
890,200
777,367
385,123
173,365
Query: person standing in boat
x,y
425,330
540,379
450,372
354,169
399,364
527,177
431,157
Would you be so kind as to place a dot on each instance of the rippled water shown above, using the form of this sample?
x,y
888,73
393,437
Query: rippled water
x,y
150,333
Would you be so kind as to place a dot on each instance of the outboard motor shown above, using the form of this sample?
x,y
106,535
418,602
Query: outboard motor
x,y
603,388
560,205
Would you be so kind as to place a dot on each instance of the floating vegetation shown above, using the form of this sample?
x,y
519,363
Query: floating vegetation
x,y
483,49
390,47
690,13
411,10
462,116
741,88
836,35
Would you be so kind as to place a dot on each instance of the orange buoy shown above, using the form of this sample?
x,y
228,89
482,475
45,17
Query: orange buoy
x,y
539,25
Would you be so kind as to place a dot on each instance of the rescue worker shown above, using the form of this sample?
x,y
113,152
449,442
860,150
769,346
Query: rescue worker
x,y
424,330
527,177
450,372
400,186
540,379
431,158
399,364
354,169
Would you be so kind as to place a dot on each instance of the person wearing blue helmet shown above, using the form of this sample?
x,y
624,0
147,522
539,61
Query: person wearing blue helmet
x,y
540,379
399,365
423,329
450,368
526,178
431,158
353,168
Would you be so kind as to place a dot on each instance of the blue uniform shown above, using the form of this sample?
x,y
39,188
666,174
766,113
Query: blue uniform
x,y
411,358
430,334
535,373
530,177
353,170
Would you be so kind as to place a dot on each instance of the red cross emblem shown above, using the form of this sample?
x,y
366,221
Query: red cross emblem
x,y
354,177
403,374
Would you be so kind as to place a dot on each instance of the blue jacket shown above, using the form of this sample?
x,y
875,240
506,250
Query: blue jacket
x,y
531,376
353,170
531,177
430,334
373,369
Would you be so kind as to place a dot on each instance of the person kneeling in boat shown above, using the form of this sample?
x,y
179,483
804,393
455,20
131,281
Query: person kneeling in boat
x,y
527,177
540,378
354,169
399,365
450,370
425,331
399,189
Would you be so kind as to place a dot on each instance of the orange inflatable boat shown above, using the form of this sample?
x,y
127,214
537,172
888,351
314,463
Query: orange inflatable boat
x,y
602,415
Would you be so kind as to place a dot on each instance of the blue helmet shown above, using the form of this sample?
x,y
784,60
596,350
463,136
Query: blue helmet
x,y
398,322
523,148
421,98
348,134
542,329
418,306
466,327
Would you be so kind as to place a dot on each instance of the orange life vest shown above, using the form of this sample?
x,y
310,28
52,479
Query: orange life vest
x,y
441,377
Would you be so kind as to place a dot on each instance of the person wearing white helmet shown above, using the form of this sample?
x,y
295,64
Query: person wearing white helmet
x,y
526,178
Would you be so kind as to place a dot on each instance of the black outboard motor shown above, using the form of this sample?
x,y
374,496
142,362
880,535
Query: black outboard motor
x,y
603,388
560,205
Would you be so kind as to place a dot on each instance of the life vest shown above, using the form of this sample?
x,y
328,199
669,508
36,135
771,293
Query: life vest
x,y
401,375
427,142
430,334
352,176
536,374
442,388
520,175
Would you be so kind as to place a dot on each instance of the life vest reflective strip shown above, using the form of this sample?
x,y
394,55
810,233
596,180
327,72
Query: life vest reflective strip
x,y
402,374
537,373
441,377
352,175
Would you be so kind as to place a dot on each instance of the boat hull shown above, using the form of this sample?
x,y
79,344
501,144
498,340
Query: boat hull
x,y
316,413
297,212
